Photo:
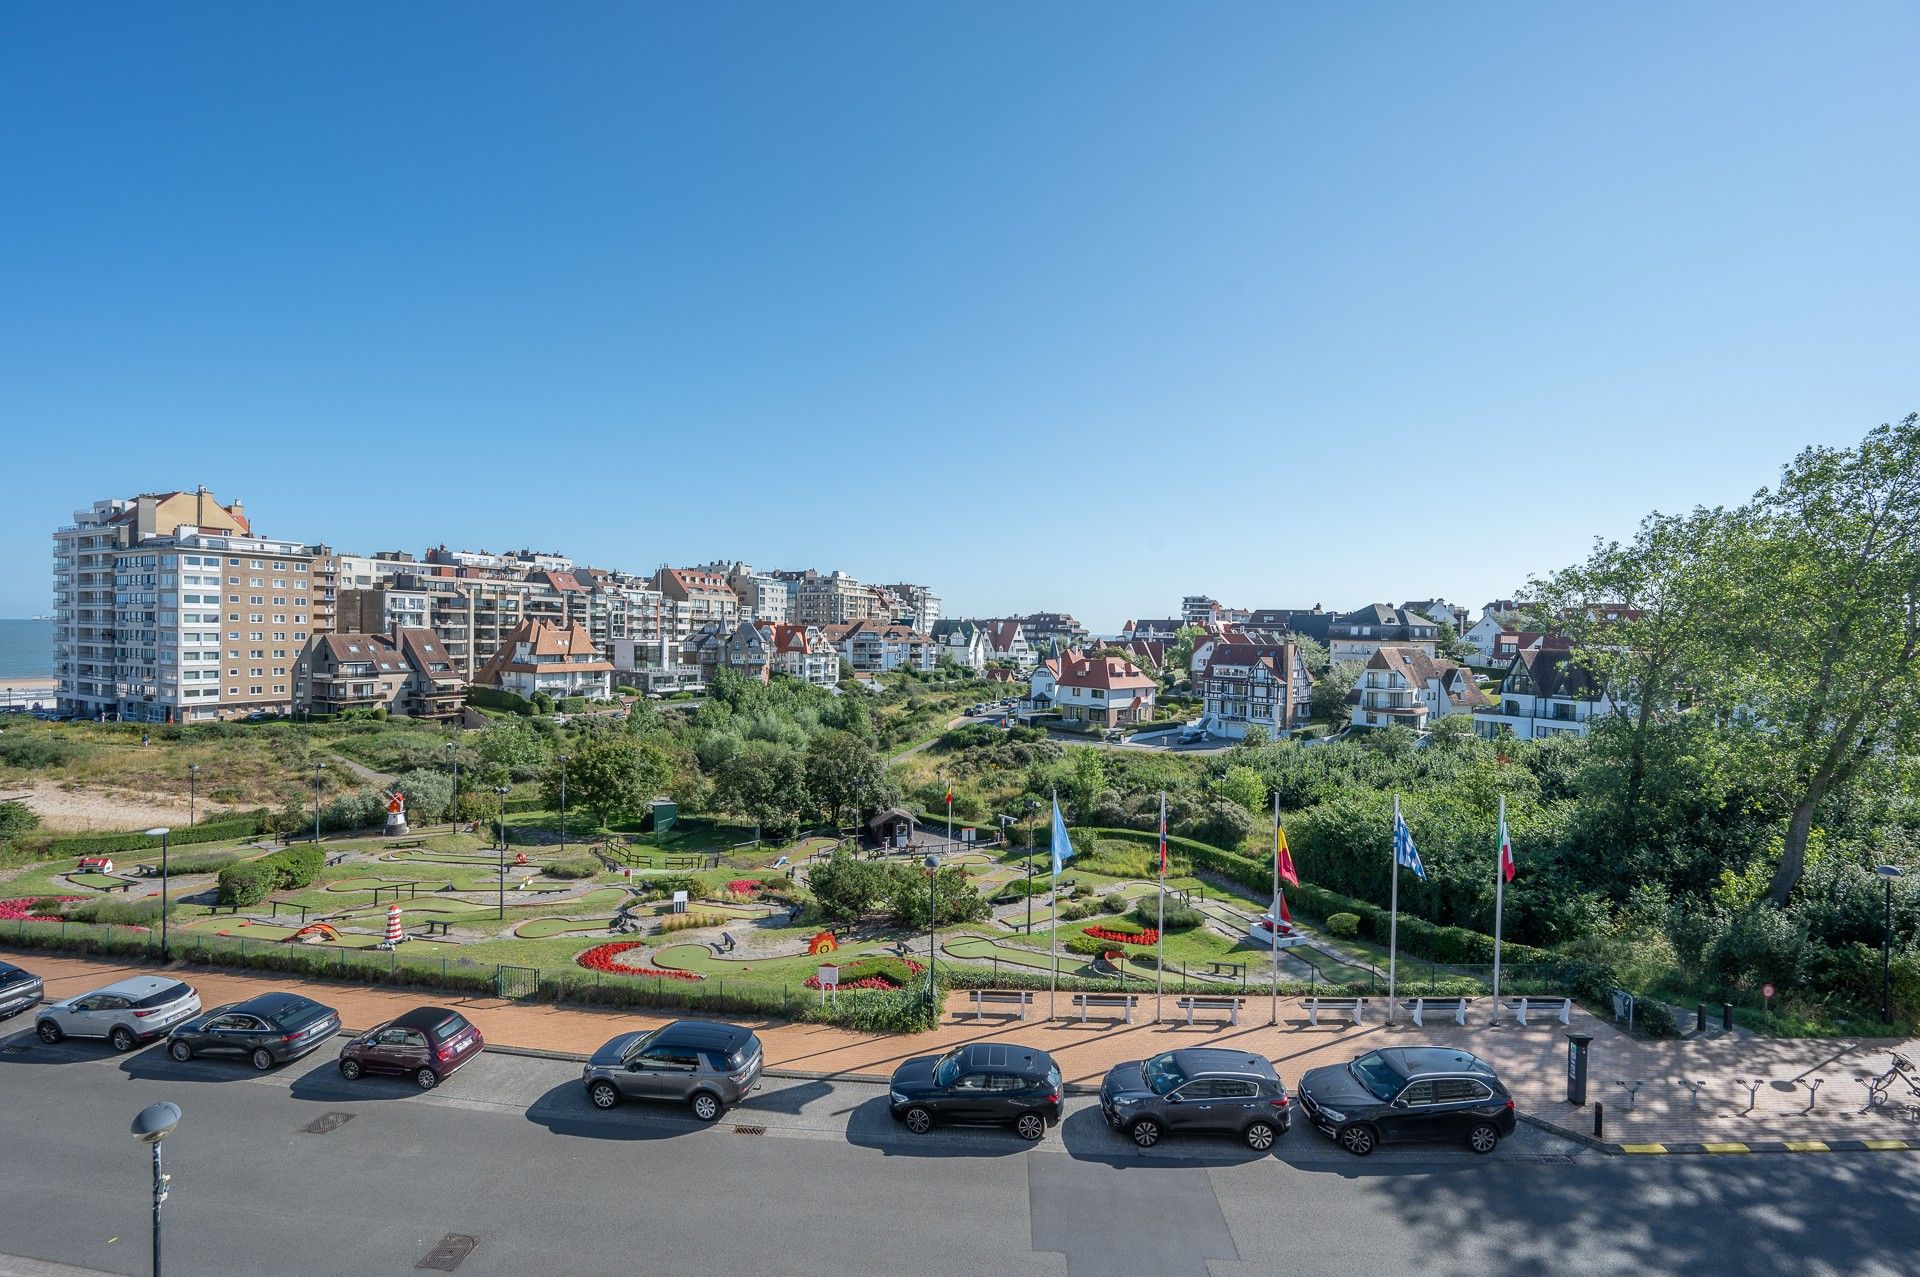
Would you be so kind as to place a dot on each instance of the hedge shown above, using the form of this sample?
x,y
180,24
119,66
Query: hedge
x,y
220,829
501,699
251,881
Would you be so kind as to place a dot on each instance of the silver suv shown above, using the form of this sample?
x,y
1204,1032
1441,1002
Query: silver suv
x,y
125,1014
706,1066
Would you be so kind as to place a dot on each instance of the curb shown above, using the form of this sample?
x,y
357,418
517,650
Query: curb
x,y
1770,1146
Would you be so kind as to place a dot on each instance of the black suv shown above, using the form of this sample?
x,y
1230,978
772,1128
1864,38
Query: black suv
x,y
1204,1089
980,1084
270,1029
1408,1093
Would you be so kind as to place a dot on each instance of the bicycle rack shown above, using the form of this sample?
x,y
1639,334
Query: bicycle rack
x,y
1753,1088
1632,1089
1813,1086
1694,1088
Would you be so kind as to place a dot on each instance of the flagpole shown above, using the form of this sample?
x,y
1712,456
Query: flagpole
x,y
1160,936
1499,899
1273,935
1053,905
1393,924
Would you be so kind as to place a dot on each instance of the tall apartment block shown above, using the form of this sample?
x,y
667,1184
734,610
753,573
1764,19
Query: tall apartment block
x,y
169,608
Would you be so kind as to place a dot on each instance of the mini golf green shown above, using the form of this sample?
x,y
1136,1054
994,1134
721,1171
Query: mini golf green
x,y
981,949
544,928
98,880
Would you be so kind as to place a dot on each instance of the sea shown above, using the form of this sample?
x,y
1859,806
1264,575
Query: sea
x,y
26,649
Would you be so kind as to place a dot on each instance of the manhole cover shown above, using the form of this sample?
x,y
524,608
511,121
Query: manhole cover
x,y
327,1122
749,1130
446,1257
17,1048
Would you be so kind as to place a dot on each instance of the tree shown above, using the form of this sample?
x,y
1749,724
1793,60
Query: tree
x,y
952,894
1086,777
1313,652
16,821
508,749
844,775
1329,697
847,887
611,777
766,782
1242,785
1180,653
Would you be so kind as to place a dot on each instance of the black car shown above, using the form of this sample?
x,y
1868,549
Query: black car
x,y
1408,1093
980,1084
18,990
268,1030
1204,1089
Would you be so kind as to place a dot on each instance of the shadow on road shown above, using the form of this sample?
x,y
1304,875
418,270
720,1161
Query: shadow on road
x,y
871,1125
565,1110
1086,1137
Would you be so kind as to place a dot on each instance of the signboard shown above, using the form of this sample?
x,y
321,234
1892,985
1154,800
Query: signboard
x,y
679,902
829,977
1766,990
1623,1007
967,835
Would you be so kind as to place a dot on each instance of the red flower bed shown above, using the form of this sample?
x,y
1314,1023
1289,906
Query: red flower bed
x,y
20,907
601,958
868,982
1149,936
746,886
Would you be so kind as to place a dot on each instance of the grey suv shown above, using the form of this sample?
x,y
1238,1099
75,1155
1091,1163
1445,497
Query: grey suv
x,y
18,990
125,1013
706,1066
1204,1089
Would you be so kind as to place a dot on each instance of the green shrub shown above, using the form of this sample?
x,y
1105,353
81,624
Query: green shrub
x,y
116,910
1078,910
1344,925
1113,902
691,921
247,883
573,867
223,829
1091,946
1179,917
572,704
201,862
37,751
295,866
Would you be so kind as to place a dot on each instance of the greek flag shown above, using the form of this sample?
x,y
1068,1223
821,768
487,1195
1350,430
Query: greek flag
x,y
1062,845
1405,853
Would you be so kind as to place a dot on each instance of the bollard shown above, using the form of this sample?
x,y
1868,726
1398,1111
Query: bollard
x,y
1599,1120
1700,1020
1577,1068
1726,1016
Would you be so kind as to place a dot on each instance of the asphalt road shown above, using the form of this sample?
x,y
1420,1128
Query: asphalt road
x,y
509,1153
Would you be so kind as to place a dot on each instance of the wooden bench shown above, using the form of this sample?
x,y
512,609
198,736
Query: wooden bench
x,y
403,844
1420,1006
337,858
1121,1002
439,927
1356,1008
1230,1005
1561,1008
983,998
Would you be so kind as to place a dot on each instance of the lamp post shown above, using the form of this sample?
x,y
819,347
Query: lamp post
x,y
453,808
155,1123
162,834
193,776
1887,874
933,921
318,775
500,795
563,803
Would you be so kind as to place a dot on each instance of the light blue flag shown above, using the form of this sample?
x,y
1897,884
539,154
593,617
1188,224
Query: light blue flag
x,y
1403,849
1062,845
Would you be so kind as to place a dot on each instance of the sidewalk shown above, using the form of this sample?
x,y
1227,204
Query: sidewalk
x,y
1786,1112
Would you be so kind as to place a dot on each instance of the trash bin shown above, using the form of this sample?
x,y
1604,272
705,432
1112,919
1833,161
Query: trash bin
x,y
1577,1068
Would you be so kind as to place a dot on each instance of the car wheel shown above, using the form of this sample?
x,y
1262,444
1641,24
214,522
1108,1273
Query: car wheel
x,y
1146,1132
121,1039
1030,1126
1358,1140
180,1051
351,1070
427,1078
1259,1136
705,1105
262,1058
604,1095
49,1032
1483,1138
917,1120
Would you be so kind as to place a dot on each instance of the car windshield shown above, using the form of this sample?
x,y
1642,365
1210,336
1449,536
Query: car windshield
x,y
289,1015
1373,1072
1162,1074
948,1069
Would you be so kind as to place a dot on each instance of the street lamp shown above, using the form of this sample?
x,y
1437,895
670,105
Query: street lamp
x,y
162,834
193,775
500,793
453,808
155,1123
1887,874
933,919
319,772
563,803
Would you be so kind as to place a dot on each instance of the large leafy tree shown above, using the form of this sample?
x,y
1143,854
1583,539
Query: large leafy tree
x,y
766,782
612,777
844,775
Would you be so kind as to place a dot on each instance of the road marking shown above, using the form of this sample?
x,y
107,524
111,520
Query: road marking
x,y
1726,1148
1808,1146
1884,1145
1643,1148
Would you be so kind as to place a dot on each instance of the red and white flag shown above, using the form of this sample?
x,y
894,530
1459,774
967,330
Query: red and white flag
x,y
1506,845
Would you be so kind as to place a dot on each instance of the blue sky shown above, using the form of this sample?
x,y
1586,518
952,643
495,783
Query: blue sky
x,y
1063,306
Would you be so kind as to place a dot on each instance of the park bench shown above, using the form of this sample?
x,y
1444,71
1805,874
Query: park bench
x,y
984,998
1420,1007
725,944
1201,1003
400,844
1560,1008
1121,1002
337,858
439,927
1356,1008
1234,969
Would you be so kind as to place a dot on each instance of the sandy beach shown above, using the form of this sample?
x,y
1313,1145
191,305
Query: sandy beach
x,y
45,683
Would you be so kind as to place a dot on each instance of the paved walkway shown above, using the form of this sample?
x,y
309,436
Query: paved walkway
x,y
1664,1115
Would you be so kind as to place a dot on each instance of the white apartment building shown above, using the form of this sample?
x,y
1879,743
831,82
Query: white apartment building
x,y
1405,685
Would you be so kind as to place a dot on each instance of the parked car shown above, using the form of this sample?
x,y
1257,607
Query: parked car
x,y
18,990
980,1084
125,1013
426,1044
1197,1090
706,1066
1408,1093
268,1030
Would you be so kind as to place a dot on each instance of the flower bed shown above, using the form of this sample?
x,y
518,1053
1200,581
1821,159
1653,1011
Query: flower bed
x,y
20,908
746,886
1146,936
873,973
602,957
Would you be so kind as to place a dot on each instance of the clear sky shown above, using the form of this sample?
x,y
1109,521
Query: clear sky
x,y
1047,306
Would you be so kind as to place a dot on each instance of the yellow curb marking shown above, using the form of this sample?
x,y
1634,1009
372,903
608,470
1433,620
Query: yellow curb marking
x,y
1884,1145
1726,1148
1643,1148
1807,1146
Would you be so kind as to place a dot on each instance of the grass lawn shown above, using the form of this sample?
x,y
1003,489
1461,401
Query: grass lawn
x,y
542,928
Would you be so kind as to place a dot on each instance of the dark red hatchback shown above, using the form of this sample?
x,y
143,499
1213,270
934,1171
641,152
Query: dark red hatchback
x,y
426,1044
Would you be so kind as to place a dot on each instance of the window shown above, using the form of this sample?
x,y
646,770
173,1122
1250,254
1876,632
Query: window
x,y
674,1059
1418,1093
1459,1090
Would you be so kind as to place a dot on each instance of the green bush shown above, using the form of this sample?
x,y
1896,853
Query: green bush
x,y
295,866
200,862
1344,925
1113,902
573,867
1179,917
1090,946
247,883
37,751
1078,910
116,910
223,829
572,704
500,699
